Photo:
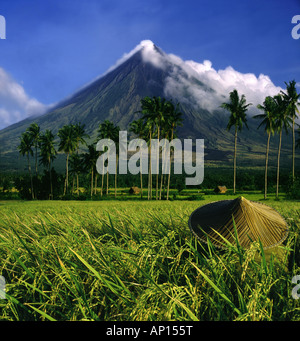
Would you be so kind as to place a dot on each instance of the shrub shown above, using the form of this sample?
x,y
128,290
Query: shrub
x,y
293,188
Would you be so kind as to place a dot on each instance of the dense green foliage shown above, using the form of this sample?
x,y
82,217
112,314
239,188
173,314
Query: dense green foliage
x,y
247,180
159,119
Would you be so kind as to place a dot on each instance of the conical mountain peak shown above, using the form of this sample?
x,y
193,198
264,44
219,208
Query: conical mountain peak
x,y
149,71
146,43
150,46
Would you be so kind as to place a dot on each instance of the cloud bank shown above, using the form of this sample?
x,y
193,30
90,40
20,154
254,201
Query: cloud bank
x,y
188,81
15,104
204,86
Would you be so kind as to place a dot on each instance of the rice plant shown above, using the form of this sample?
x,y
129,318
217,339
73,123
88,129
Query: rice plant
x,y
119,261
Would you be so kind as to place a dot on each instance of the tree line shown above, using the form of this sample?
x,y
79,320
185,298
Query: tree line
x,y
159,119
279,113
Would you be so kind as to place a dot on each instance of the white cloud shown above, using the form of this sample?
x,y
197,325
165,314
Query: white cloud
x,y
15,104
186,78
189,81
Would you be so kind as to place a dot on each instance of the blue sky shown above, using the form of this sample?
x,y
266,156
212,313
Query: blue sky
x,y
54,47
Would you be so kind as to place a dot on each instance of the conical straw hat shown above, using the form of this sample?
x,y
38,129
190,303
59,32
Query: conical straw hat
x,y
253,220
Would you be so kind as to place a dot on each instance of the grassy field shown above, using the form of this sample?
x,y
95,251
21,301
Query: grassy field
x,y
131,260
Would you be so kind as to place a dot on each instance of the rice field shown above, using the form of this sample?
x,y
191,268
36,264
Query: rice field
x,y
138,261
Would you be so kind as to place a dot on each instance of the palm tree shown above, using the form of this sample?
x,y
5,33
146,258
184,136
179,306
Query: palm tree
x,y
148,114
107,130
34,131
268,121
237,108
76,167
80,136
158,116
149,126
68,145
47,154
165,132
137,127
174,118
90,160
115,138
292,97
25,148
282,121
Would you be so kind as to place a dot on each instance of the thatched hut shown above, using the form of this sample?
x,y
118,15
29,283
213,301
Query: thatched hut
x,y
134,190
220,189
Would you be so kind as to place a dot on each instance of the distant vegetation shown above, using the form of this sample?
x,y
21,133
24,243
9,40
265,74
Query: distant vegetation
x,y
159,120
280,113
237,108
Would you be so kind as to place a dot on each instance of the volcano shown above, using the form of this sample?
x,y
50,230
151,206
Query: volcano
x,y
148,71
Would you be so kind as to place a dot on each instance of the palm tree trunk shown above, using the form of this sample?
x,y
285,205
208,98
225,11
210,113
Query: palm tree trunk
x,y
95,187
36,173
161,185
73,184
51,185
67,174
150,173
36,170
234,160
77,176
162,171
107,174
278,159
169,175
29,170
77,180
293,170
266,169
141,173
92,178
102,180
116,175
50,178
157,165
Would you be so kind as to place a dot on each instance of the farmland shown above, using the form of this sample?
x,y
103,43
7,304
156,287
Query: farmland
x,y
137,260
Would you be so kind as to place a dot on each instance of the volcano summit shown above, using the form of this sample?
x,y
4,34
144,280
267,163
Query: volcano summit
x,y
148,71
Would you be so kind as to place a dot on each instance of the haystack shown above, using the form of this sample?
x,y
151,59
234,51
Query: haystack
x,y
134,190
254,221
221,189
